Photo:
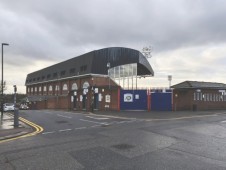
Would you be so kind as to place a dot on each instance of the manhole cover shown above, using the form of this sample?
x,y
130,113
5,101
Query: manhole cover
x,y
123,146
61,121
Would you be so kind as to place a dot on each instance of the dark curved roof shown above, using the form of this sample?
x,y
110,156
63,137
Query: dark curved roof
x,y
94,62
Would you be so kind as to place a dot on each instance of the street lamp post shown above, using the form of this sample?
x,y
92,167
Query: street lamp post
x,y
108,66
2,82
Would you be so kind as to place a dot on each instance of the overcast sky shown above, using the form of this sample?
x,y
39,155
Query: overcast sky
x,y
188,37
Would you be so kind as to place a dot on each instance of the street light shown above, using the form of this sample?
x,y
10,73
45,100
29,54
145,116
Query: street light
x,y
108,66
2,81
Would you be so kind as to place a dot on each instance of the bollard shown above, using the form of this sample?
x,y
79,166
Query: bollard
x,y
16,117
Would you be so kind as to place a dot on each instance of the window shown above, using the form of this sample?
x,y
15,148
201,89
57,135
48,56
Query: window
x,y
31,89
40,89
74,86
62,73
43,77
44,88
50,88
57,88
72,70
83,68
35,89
54,75
48,76
85,85
38,78
28,90
65,87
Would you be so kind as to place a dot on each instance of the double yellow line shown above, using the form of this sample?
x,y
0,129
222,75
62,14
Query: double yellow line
x,y
38,129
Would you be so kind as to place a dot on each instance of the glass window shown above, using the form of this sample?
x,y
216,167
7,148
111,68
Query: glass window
x,y
57,88
44,88
74,86
65,87
85,85
50,88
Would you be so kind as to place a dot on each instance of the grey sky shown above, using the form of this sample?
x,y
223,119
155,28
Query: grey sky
x,y
188,36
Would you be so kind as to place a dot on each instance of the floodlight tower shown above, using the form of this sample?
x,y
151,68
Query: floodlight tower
x,y
146,51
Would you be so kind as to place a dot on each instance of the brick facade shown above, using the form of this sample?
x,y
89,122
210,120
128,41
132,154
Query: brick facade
x,y
49,96
198,99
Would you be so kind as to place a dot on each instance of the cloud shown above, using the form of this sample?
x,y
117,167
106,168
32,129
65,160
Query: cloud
x,y
185,35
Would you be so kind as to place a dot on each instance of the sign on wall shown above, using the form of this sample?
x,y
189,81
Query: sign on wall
x,y
128,97
107,98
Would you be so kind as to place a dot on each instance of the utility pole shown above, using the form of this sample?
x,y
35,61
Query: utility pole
x,y
16,110
2,100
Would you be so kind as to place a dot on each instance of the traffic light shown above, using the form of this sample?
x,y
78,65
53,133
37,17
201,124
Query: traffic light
x,y
15,88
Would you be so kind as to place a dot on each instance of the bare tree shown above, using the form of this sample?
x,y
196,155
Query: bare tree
x,y
4,87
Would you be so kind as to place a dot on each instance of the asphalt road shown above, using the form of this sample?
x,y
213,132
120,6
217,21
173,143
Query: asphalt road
x,y
82,141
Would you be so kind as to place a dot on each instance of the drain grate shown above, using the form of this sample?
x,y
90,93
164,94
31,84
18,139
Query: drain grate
x,y
123,146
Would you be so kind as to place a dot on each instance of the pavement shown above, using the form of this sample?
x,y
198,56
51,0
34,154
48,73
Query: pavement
x,y
8,131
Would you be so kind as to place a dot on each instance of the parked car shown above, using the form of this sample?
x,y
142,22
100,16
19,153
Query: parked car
x,y
8,107
24,107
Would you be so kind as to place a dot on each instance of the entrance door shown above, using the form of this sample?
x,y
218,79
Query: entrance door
x,y
96,101
75,103
84,102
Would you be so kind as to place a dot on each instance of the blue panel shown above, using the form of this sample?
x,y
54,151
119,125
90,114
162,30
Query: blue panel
x,y
133,100
161,101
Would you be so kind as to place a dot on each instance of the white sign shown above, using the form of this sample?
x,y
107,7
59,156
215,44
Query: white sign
x,y
81,97
100,97
75,93
96,90
85,91
128,97
107,98
72,98
137,96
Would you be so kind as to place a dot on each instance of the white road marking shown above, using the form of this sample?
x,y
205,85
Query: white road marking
x,y
80,128
98,118
95,126
48,132
64,130
64,116
101,123
223,121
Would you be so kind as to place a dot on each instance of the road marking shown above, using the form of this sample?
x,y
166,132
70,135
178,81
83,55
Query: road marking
x,y
38,129
80,128
64,116
64,130
223,121
98,118
101,123
95,126
45,133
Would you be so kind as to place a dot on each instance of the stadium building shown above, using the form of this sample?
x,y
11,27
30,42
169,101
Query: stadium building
x,y
89,81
